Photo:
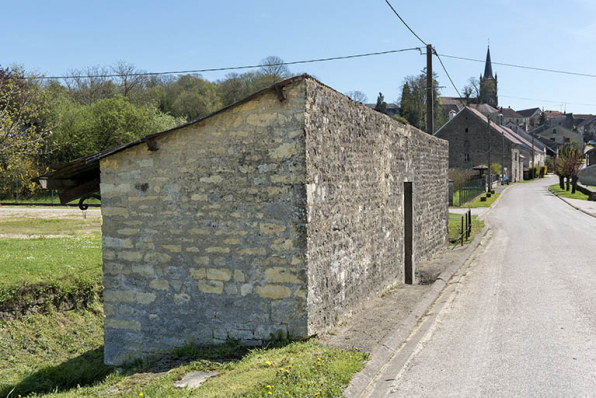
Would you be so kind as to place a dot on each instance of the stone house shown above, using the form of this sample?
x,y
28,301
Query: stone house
x,y
282,212
470,135
533,116
587,128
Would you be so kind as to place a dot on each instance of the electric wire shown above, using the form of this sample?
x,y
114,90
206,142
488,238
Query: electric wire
x,y
226,68
447,73
404,22
523,66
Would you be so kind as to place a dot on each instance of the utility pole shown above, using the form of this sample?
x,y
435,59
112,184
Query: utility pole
x,y
502,149
430,128
489,179
533,169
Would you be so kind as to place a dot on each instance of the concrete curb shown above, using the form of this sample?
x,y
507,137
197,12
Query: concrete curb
x,y
571,204
389,346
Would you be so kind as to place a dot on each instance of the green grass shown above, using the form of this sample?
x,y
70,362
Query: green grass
x,y
43,260
489,201
455,227
36,223
44,352
567,194
61,355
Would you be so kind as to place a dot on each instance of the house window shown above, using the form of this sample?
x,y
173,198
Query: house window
x,y
467,157
466,129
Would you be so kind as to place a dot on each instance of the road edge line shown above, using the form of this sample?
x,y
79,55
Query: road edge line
x,y
388,347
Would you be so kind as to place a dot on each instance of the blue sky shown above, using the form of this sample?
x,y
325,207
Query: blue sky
x,y
53,37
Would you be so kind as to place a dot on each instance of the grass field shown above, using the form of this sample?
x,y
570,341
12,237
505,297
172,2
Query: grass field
x,y
43,260
489,201
62,356
556,189
455,226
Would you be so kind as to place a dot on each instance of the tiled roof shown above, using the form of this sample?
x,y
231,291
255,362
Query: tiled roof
x,y
553,114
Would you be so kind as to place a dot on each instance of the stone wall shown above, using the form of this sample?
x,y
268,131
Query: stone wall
x,y
271,215
204,238
357,163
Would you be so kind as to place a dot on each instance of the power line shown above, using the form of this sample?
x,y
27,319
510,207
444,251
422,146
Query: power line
x,y
523,66
404,22
543,100
227,68
445,69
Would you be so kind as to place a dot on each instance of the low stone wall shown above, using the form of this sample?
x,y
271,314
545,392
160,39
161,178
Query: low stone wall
x,y
587,191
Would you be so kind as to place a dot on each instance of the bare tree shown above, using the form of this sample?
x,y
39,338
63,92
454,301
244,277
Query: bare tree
x,y
357,96
130,80
90,84
273,69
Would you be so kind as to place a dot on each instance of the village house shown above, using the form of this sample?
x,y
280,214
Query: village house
x,y
281,213
555,136
470,136
532,115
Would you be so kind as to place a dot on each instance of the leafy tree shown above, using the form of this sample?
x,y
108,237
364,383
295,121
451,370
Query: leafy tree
x,y
381,105
413,101
568,163
190,97
542,119
86,129
23,117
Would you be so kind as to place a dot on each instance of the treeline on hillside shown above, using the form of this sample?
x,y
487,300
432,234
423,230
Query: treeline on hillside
x,y
44,123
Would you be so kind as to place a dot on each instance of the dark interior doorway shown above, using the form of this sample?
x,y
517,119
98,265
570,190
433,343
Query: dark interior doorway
x,y
408,234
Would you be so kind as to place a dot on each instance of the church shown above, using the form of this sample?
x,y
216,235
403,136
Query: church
x,y
485,99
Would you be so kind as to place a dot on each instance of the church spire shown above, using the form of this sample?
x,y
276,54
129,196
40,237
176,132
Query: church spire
x,y
488,68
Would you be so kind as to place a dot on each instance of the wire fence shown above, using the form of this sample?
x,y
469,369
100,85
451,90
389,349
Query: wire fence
x,y
470,189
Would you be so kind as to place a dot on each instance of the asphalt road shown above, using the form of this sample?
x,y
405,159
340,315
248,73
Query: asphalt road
x,y
520,319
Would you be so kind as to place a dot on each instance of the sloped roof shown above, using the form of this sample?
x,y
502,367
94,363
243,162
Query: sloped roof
x,y
529,112
554,114
81,171
488,67
508,112
589,120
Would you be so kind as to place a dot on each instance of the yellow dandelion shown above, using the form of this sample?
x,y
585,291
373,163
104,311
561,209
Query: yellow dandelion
x,y
356,348
287,393
141,394
281,369
287,371
313,367
317,393
268,363
269,387
318,359
289,366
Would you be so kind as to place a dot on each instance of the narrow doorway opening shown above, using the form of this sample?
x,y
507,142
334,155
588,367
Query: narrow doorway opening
x,y
408,234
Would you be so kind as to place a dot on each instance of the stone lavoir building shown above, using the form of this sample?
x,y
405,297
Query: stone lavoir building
x,y
284,211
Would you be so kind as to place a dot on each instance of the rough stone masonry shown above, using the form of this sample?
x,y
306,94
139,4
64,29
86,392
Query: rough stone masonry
x,y
280,213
